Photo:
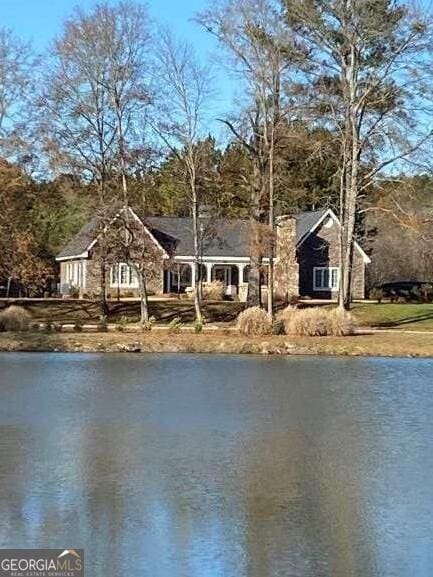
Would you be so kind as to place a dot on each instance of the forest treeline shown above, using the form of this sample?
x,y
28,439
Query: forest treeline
x,y
332,108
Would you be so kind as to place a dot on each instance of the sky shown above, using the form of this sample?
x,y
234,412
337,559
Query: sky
x,y
39,21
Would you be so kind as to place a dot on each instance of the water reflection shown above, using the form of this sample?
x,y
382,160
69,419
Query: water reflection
x,y
200,466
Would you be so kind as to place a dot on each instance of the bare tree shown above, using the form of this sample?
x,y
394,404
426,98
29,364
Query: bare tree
x,y
125,33
94,103
18,68
184,88
263,55
77,118
371,84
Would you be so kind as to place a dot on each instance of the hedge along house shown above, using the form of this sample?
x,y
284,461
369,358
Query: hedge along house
x,y
306,261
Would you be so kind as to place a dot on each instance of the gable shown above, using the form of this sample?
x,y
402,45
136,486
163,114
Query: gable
x,y
87,237
320,218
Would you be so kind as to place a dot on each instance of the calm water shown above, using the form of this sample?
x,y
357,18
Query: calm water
x,y
228,466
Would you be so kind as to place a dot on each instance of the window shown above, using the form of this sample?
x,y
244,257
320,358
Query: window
x,y
75,273
123,275
326,278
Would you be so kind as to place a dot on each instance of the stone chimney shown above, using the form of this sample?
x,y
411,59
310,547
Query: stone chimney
x,y
286,269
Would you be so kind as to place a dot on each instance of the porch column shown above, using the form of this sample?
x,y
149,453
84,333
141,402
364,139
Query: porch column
x,y
193,268
241,268
208,272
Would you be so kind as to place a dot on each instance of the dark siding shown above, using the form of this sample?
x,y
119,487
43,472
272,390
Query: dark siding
x,y
322,249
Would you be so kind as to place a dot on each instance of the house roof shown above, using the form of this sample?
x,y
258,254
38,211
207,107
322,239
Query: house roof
x,y
223,237
81,241
305,222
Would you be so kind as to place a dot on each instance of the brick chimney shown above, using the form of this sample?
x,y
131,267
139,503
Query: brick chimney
x,y
286,269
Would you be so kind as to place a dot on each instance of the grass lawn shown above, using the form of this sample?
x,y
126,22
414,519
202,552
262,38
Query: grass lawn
x,y
387,315
64,311
396,316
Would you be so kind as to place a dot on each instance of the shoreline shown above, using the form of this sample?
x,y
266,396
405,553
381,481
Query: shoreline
x,y
387,344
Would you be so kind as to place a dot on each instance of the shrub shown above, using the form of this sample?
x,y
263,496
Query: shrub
x,y
317,322
74,292
121,324
198,325
376,294
254,321
147,325
210,291
175,325
78,326
15,319
278,326
213,291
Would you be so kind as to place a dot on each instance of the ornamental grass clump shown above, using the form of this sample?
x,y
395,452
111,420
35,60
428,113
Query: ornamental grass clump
x,y
211,291
317,322
254,321
15,319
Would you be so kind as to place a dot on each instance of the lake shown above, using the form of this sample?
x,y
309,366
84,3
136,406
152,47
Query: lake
x,y
219,466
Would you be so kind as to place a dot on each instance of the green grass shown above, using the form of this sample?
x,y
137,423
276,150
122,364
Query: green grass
x,y
398,316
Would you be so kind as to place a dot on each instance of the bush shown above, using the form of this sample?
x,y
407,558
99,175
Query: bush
x,y
254,321
74,292
317,322
147,325
198,325
15,319
175,325
376,294
211,291
121,324
78,326
278,326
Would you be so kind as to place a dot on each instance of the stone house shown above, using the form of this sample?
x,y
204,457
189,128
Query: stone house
x,y
306,263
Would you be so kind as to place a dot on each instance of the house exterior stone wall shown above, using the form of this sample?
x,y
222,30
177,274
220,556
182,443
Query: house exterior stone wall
x,y
322,249
92,282
286,268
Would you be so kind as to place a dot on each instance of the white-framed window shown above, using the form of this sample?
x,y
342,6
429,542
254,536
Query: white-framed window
x,y
123,275
326,278
75,273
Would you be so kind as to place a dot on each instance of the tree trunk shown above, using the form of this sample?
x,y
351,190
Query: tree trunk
x,y
103,307
254,286
196,240
144,303
270,244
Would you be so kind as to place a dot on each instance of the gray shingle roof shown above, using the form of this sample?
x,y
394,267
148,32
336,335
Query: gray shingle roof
x,y
223,237
306,220
79,243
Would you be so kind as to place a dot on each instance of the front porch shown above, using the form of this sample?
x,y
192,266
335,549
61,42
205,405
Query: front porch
x,y
234,275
